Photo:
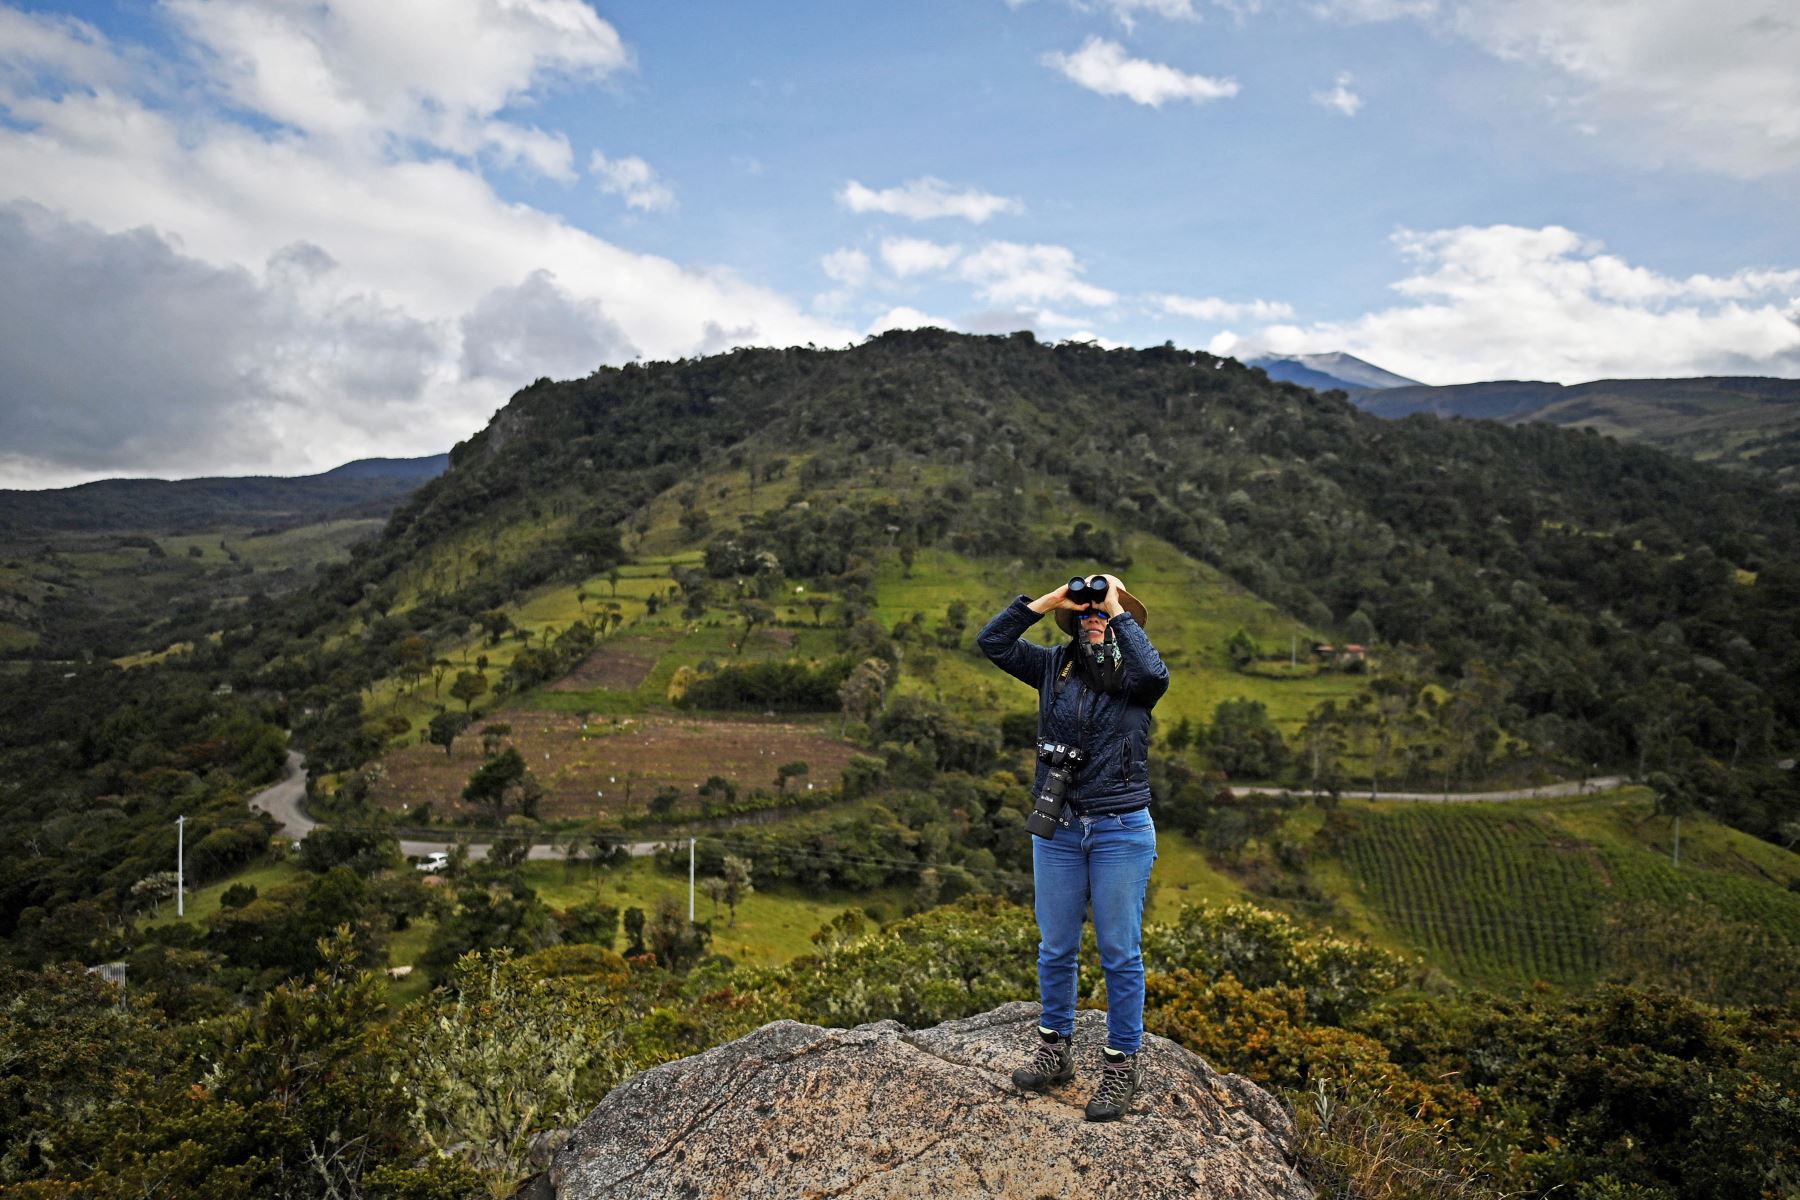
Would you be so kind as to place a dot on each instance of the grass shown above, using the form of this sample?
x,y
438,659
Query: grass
x,y
203,902
1182,875
772,927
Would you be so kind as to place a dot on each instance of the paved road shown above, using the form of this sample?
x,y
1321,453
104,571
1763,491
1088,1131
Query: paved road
x,y
1599,783
283,802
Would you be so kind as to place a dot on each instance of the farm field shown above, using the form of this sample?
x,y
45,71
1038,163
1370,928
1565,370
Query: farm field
x,y
1504,893
609,766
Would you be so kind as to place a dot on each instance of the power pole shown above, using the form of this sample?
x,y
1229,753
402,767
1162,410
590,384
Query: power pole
x,y
691,881
180,889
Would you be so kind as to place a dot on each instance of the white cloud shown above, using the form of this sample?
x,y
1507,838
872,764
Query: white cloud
x,y
1706,83
1127,11
434,71
1373,10
847,266
1504,302
1711,83
916,256
1103,66
1340,97
538,328
905,318
926,198
1012,273
426,254
1212,308
634,180
122,353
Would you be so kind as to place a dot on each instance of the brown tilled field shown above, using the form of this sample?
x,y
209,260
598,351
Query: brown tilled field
x,y
588,774
605,668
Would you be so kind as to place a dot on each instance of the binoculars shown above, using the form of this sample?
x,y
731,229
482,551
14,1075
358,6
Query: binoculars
x,y
1089,591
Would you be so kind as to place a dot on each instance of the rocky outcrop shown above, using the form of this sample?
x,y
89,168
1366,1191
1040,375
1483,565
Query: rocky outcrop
x,y
795,1111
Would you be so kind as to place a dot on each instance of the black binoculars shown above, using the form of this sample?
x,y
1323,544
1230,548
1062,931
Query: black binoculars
x,y
1091,591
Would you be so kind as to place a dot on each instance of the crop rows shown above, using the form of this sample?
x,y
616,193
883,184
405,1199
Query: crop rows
x,y
1644,876
1489,896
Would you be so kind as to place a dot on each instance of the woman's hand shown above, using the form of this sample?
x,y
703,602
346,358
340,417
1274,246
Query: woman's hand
x,y
1052,600
1114,587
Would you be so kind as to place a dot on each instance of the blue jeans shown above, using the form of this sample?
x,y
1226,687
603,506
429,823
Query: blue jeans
x,y
1105,859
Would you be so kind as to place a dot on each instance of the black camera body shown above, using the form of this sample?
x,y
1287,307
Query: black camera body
x,y
1047,813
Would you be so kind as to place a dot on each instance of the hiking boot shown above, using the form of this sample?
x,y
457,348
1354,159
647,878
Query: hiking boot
x,y
1052,1062
1119,1080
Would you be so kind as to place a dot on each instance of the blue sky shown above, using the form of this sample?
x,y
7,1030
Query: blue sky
x,y
263,235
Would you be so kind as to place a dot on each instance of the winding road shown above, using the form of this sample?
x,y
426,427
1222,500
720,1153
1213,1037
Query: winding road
x,y
282,801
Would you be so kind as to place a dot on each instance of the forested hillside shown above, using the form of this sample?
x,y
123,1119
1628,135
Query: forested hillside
x,y
734,599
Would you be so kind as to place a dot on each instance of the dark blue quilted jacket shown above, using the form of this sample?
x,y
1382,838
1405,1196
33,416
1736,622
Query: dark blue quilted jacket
x,y
1113,728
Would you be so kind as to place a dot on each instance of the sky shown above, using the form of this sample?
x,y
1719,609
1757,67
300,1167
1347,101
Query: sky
x,y
272,236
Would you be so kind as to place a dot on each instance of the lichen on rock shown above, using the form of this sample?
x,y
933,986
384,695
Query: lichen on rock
x,y
880,1111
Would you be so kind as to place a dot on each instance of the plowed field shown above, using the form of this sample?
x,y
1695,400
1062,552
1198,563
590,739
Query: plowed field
x,y
616,765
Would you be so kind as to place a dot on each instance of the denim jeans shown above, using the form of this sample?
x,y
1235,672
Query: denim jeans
x,y
1106,860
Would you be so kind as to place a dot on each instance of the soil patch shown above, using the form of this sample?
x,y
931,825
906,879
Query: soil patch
x,y
614,765
609,669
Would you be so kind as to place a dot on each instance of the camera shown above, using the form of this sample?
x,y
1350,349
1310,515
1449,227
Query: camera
x,y
1064,761
1090,591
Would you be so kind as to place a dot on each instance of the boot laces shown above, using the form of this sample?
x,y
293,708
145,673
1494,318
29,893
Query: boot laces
x,y
1115,1081
1047,1058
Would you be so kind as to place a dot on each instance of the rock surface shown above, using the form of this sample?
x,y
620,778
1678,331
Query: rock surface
x,y
796,1111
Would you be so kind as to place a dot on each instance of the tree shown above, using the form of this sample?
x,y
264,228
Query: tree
x,y
500,1056
752,613
445,727
714,887
496,623
504,781
663,802
737,883
153,889
1241,649
676,941
469,686
1244,743
492,735
787,771
862,693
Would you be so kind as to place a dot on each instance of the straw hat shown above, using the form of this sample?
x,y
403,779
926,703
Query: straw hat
x,y
1065,619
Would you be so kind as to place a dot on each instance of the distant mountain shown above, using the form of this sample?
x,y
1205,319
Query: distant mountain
x,y
363,488
1737,421
1322,372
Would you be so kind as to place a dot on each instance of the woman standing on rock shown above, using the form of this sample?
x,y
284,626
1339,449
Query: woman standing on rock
x,y
1096,841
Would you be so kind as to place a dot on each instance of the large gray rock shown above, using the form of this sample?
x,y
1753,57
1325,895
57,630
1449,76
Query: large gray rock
x,y
794,1111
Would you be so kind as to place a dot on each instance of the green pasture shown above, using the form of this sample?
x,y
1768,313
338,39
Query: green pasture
x,y
203,901
772,927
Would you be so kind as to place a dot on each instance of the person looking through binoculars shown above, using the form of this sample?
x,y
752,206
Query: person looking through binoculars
x,y
1093,838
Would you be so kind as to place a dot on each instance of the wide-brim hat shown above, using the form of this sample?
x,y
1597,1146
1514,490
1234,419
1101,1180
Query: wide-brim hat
x,y
1065,619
